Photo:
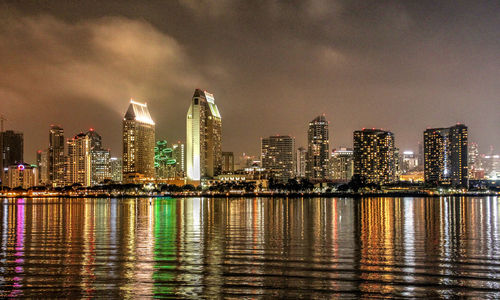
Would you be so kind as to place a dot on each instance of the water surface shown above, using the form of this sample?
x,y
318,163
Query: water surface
x,y
250,248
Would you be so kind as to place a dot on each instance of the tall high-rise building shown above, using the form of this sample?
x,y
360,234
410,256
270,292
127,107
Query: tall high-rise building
x,y
43,162
56,160
11,150
164,160
318,149
227,162
100,159
79,160
116,169
203,137
445,156
277,156
341,164
300,162
179,154
374,155
138,143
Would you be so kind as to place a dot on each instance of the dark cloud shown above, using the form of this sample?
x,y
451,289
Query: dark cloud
x,y
272,65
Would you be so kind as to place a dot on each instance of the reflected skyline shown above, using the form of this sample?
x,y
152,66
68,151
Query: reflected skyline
x,y
196,247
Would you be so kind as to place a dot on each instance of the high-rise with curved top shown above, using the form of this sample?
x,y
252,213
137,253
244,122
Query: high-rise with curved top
x,y
203,137
138,143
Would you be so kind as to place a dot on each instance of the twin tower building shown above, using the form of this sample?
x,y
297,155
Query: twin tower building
x,y
203,141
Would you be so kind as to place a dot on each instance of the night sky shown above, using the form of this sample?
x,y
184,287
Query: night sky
x,y
272,66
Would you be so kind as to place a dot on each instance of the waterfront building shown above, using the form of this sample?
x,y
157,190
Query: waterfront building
x,y
317,149
227,162
116,169
445,156
203,137
138,143
22,175
179,154
56,160
341,164
491,164
300,162
277,156
100,159
374,156
408,162
79,160
12,148
164,161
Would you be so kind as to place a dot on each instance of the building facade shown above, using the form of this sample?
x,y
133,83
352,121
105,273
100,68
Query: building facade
x,y
300,162
79,161
277,156
227,162
446,156
203,137
318,149
138,143
374,156
341,164
179,154
116,169
56,173
22,175
100,159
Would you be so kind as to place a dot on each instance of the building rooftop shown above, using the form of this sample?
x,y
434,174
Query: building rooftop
x,y
139,112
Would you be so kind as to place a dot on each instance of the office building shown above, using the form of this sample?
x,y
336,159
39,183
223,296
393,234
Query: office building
x,y
138,144
374,156
116,169
341,164
79,161
100,159
318,149
56,159
445,156
277,156
12,150
227,162
408,162
164,161
179,154
22,175
203,137
300,162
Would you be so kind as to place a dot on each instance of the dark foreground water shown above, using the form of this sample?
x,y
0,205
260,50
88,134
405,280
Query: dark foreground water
x,y
294,248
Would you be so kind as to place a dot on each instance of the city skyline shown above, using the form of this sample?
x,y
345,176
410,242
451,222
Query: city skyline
x,y
367,61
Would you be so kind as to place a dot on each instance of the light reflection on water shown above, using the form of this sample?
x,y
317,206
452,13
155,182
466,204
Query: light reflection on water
x,y
296,248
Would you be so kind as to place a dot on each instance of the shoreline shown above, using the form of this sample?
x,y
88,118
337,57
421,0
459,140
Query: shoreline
x,y
263,195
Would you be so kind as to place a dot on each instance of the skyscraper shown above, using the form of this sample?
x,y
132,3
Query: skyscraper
x,y
203,137
300,162
374,155
277,156
341,164
409,162
79,160
11,151
116,169
56,159
179,154
445,156
317,148
100,158
138,143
